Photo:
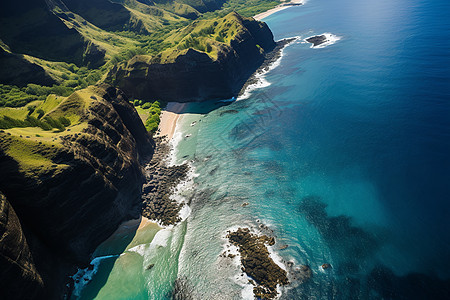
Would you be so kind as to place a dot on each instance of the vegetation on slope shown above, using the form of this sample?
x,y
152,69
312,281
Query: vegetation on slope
x,y
208,35
152,122
149,113
162,29
32,134
245,8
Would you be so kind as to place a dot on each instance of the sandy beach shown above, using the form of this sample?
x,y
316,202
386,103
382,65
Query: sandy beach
x,y
281,6
173,110
132,226
169,118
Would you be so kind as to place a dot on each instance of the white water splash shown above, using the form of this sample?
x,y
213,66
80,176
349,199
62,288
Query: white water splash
x,y
242,278
260,75
330,40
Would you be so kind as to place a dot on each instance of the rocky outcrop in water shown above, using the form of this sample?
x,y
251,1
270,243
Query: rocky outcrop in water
x,y
70,195
257,263
317,40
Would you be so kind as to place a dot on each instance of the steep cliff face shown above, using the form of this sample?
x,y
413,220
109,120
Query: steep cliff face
x,y
70,193
193,75
101,13
29,27
19,277
18,71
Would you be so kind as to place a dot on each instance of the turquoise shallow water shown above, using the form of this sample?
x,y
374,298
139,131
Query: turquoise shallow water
x,y
345,156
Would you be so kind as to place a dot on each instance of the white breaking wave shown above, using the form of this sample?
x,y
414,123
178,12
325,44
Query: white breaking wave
x,y
330,40
139,249
243,281
161,238
176,138
260,75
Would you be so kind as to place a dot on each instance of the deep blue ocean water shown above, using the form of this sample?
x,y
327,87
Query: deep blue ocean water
x,y
345,156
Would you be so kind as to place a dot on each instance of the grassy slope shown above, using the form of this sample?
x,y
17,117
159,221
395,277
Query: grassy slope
x,y
34,157
209,36
34,148
161,28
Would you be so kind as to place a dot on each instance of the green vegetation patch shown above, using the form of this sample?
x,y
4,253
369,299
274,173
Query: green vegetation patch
x,y
47,123
34,158
152,112
208,35
246,8
163,30
55,113
13,96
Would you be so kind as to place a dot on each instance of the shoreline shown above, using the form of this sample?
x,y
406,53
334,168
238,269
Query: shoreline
x,y
169,118
278,8
173,110
167,128
271,61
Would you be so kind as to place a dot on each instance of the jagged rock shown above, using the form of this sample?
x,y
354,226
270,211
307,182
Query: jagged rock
x,y
257,263
157,204
317,40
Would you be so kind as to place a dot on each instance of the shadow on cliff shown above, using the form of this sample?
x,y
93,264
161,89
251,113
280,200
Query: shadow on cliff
x,y
36,263
105,256
204,107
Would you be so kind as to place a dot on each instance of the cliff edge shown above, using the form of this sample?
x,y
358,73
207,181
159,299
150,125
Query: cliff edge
x,y
210,59
66,191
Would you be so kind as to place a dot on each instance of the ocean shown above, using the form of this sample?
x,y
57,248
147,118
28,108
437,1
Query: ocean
x,y
342,151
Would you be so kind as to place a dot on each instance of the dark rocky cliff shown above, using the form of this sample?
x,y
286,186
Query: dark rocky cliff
x,y
194,75
66,210
29,27
18,71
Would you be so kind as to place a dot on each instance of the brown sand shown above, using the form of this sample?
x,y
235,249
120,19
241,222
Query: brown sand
x,y
282,6
169,118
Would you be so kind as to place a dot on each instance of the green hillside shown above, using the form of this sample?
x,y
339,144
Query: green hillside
x,y
70,44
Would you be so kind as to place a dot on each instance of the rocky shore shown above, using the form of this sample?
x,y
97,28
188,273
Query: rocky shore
x,y
256,262
161,181
269,59
79,188
317,40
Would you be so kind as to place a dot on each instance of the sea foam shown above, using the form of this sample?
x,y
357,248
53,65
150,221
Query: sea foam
x,y
330,40
242,278
260,75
